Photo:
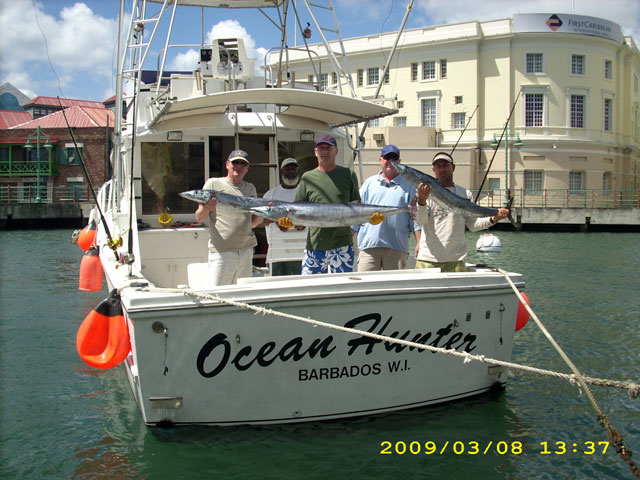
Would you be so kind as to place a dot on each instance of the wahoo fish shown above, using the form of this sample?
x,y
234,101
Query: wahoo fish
x,y
236,202
324,215
444,198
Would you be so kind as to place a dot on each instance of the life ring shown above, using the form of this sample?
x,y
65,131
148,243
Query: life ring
x,y
165,219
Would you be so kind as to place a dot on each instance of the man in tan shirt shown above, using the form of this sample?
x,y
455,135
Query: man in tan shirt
x,y
231,238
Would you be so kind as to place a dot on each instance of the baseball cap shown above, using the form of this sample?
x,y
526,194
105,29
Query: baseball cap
x,y
327,139
289,161
238,155
442,156
387,149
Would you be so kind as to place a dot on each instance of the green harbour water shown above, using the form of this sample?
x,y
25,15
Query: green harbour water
x,y
60,418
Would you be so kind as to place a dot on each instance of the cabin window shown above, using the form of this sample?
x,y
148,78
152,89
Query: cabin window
x,y
169,168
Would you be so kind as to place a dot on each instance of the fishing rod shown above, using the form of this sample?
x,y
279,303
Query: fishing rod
x,y
463,130
506,125
110,242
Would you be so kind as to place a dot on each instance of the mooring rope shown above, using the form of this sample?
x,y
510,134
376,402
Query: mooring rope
x,y
633,388
614,435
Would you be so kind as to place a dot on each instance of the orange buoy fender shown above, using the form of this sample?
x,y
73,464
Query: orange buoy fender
x,y
87,236
103,337
90,279
523,314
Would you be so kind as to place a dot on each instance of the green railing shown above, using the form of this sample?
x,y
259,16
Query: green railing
x,y
29,194
564,198
27,169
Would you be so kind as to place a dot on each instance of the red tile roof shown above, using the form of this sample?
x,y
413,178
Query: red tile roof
x,y
66,102
9,118
76,116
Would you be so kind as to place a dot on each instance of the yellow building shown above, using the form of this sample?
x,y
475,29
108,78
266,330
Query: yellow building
x,y
575,128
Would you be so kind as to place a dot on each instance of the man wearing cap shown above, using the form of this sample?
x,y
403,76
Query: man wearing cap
x,y
285,191
231,239
329,250
443,244
385,246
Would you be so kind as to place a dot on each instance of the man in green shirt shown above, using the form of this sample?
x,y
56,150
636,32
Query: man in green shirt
x,y
329,250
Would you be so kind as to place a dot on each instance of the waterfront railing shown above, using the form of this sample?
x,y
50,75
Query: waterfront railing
x,y
563,198
545,198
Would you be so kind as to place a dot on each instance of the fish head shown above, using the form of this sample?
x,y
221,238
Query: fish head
x,y
200,196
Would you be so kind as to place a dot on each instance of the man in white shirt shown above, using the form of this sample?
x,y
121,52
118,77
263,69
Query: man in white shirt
x,y
442,243
286,191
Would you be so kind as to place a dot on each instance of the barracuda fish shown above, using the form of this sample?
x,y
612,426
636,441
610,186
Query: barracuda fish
x,y
236,202
443,197
326,214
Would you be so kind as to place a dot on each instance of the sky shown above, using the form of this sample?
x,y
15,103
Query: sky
x,y
67,48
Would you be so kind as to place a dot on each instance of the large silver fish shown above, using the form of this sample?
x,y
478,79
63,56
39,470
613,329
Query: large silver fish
x,y
236,202
444,198
312,214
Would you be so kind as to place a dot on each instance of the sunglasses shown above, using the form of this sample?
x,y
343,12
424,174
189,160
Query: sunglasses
x,y
392,156
239,162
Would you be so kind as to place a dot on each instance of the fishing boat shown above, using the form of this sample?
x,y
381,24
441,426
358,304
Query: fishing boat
x,y
267,349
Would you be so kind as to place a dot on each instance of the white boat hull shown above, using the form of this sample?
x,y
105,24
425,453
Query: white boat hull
x,y
200,361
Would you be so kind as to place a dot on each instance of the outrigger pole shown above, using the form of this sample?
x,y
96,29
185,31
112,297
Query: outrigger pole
x,y
110,241
463,130
506,125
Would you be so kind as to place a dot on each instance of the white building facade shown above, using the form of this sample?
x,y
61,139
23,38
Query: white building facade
x,y
572,82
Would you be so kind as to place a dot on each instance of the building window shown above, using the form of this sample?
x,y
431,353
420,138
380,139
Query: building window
x,y
457,99
429,116
607,120
458,120
608,70
374,123
443,68
635,84
400,121
310,78
386,77
534,63
373,75
68,154
577,111
429,70
360,77
533,182
607,182
324,81
399,104
414,72
334,78
577,65
494,185
576,183
534,109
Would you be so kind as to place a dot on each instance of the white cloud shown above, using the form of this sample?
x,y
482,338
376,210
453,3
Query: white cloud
x,y
52,48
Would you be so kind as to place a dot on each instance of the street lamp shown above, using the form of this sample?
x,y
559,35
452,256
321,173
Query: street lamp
x,y
516,143
47,145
